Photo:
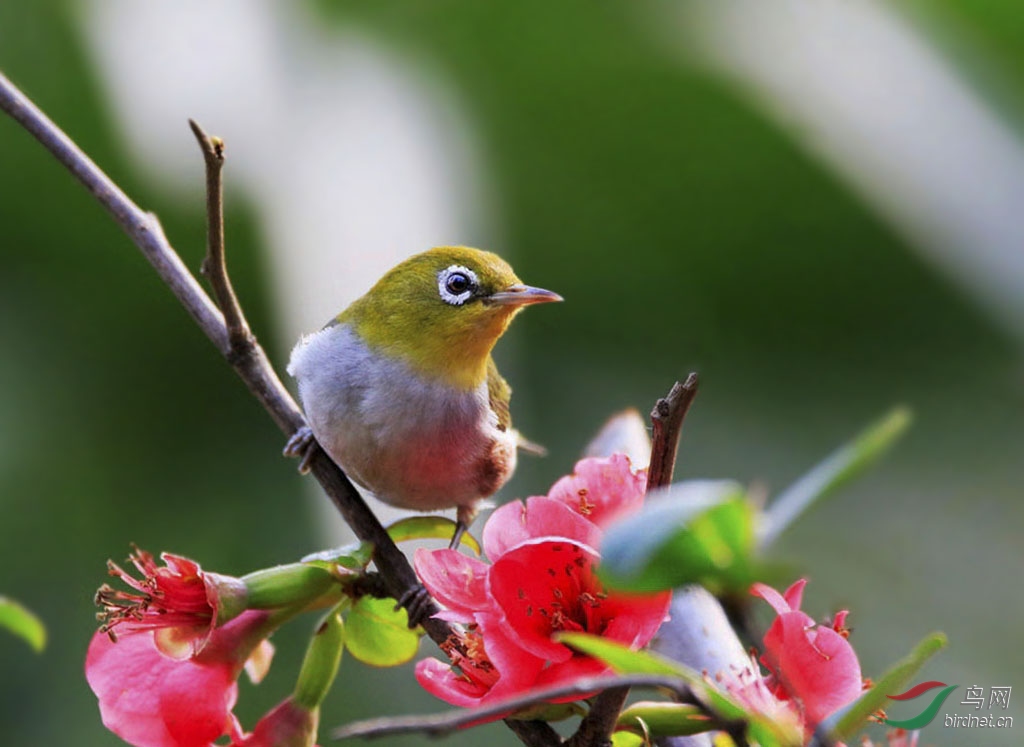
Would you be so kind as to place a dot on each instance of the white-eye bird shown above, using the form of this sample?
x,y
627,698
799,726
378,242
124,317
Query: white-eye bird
x,y
400,388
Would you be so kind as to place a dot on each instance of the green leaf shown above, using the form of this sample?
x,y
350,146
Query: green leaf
x,y
691,532
22,623
378,634
354,557
628,739
836,470
322,659
845,724
663,719
429,527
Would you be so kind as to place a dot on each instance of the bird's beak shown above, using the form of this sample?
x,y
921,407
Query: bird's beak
x,y
521,295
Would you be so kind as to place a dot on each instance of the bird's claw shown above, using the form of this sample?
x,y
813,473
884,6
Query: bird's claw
x,y
417,602
460,529
303,445
464,516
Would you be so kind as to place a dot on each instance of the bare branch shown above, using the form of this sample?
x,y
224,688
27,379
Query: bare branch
x,y
596,727
214,265
445,723
667,422
534,733
143,228
250,361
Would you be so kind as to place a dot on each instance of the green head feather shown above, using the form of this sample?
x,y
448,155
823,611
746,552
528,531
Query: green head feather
x,y
442,311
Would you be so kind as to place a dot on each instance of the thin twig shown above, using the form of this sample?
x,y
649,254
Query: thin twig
x,y
667,423
214,265
437,725
250,363
143,228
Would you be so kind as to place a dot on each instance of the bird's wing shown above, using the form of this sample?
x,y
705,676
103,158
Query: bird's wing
x,y
498,393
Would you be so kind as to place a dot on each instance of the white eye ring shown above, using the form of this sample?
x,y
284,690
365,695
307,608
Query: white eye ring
x,y
450,279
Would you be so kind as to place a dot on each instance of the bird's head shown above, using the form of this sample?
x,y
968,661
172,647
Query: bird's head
x,y
442,311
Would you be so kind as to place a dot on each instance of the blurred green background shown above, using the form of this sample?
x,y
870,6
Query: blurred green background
x,y
614,152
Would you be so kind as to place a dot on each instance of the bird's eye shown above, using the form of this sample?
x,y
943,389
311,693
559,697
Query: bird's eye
x,y
456,284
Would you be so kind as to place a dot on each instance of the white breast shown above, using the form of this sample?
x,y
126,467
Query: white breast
x,y
415,443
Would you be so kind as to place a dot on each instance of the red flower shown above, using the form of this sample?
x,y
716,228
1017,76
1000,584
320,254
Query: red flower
x,y
179,599
541,581
150,699
813,666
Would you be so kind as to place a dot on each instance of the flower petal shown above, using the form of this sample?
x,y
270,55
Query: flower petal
x,y
819,668
440,680
538,587
774,598
602,489
570,670
517,522
635,618
811,664
517,669
795,593
285,725
150,700
455,580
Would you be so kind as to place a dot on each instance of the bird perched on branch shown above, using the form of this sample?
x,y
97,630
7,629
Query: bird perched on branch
x,y
400,388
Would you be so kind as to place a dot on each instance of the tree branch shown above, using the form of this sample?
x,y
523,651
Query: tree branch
x,y
246,356
596,727
667,422
437,725
214,264
143,228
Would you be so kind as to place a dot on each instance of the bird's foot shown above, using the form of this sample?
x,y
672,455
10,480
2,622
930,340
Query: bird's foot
x,y
460,529
464,516
303,445
416,601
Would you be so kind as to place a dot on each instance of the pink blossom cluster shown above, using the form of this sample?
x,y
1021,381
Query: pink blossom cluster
x,y
540,580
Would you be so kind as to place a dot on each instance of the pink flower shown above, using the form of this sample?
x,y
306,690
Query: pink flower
x,y
151,699
812,666
286,725
541,581
178,598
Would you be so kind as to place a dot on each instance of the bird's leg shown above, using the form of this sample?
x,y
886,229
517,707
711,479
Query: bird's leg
x,y
302,444
416,601
464,516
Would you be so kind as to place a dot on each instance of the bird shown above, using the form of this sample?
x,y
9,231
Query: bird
x,y
401,391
